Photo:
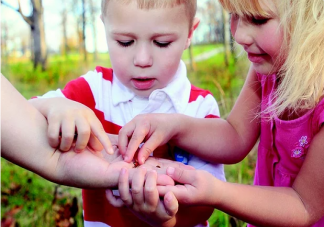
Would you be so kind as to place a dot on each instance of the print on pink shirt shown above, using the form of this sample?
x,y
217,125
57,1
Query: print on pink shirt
x,y
300,150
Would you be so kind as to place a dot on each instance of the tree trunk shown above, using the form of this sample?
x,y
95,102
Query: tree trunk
x,y
83,32
93,12
65,46
4,38
38,32
227,37
36,23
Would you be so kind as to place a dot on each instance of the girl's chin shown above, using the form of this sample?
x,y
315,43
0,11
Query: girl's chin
x,y
264,69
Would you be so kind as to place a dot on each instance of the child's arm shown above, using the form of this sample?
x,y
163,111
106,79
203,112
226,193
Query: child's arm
x,y
24,142
301,205
72,124
217,140
145,203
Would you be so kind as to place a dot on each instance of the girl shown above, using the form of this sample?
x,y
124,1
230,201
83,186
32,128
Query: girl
x,y
281,103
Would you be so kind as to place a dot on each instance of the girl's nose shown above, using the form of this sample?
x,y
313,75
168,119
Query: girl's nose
x,y
143,57
242,33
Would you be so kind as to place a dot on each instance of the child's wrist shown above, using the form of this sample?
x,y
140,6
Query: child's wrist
x,y
179,127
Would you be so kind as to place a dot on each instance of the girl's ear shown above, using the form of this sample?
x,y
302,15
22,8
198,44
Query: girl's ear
x,y
195,24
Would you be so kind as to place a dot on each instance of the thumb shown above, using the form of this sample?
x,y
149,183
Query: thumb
x,y
164,180
146,150
183,176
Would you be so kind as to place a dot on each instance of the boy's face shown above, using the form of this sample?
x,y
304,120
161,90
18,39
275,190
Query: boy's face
x,y
145,46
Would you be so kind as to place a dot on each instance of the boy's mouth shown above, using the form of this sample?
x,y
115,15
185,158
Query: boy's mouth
x,y
143,83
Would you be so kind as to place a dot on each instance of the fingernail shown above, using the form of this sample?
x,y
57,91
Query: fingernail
x,y
154,171
123,171
111,151
77,150
142,161
168,197
170,170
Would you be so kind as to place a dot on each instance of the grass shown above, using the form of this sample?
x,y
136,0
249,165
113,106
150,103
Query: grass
x,y
29,200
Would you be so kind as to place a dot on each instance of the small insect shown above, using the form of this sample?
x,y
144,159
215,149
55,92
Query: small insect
x,y
135,164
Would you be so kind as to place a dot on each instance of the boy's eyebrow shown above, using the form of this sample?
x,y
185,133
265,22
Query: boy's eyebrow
x,y
123,33
133,35
163,34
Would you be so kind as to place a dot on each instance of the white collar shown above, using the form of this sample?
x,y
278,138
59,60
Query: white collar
x,y
178,90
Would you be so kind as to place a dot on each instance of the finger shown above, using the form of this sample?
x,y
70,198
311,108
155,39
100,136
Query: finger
x,y
83,131
163,179
53,133
68,131
96,153
99,132
148,147
137,187
171,204
179,191
175,164
151,194
94,143
181,175
123,136
114,201
137,137
123,187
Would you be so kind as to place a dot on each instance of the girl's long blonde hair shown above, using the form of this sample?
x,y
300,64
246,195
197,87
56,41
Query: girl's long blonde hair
x,y
301,76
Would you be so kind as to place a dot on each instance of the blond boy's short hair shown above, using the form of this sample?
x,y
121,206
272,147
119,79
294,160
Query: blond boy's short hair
x,y
190,5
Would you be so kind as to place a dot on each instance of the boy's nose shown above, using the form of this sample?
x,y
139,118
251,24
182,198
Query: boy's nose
x,y
242,34
143,57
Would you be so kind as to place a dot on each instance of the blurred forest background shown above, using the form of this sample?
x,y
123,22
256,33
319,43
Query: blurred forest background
x,y
45,43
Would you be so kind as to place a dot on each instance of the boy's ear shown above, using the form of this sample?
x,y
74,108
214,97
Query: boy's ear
x,y
195,24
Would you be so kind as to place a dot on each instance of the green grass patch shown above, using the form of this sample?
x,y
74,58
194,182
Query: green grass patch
x,y
200,49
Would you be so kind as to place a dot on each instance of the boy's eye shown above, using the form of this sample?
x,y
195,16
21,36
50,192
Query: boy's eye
x,y
162,44
258,20
125,43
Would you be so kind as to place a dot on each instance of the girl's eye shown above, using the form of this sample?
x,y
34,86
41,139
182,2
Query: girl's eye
x,y
125,43
162,44
258,20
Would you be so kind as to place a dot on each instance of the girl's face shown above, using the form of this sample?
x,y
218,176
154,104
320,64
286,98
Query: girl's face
x,y
260,37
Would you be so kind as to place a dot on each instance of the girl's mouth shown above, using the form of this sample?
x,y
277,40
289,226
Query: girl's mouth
x,y
256,58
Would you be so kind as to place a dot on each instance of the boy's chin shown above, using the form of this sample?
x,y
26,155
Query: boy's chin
x,y
142,93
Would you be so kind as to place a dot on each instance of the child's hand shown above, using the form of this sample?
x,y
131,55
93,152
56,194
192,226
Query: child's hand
x,y
197,187
153,129
143,199
73,124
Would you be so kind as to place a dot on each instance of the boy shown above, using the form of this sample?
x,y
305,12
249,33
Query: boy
x,y
146,40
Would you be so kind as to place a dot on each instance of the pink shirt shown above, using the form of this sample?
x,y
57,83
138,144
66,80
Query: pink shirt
x,y
284,144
